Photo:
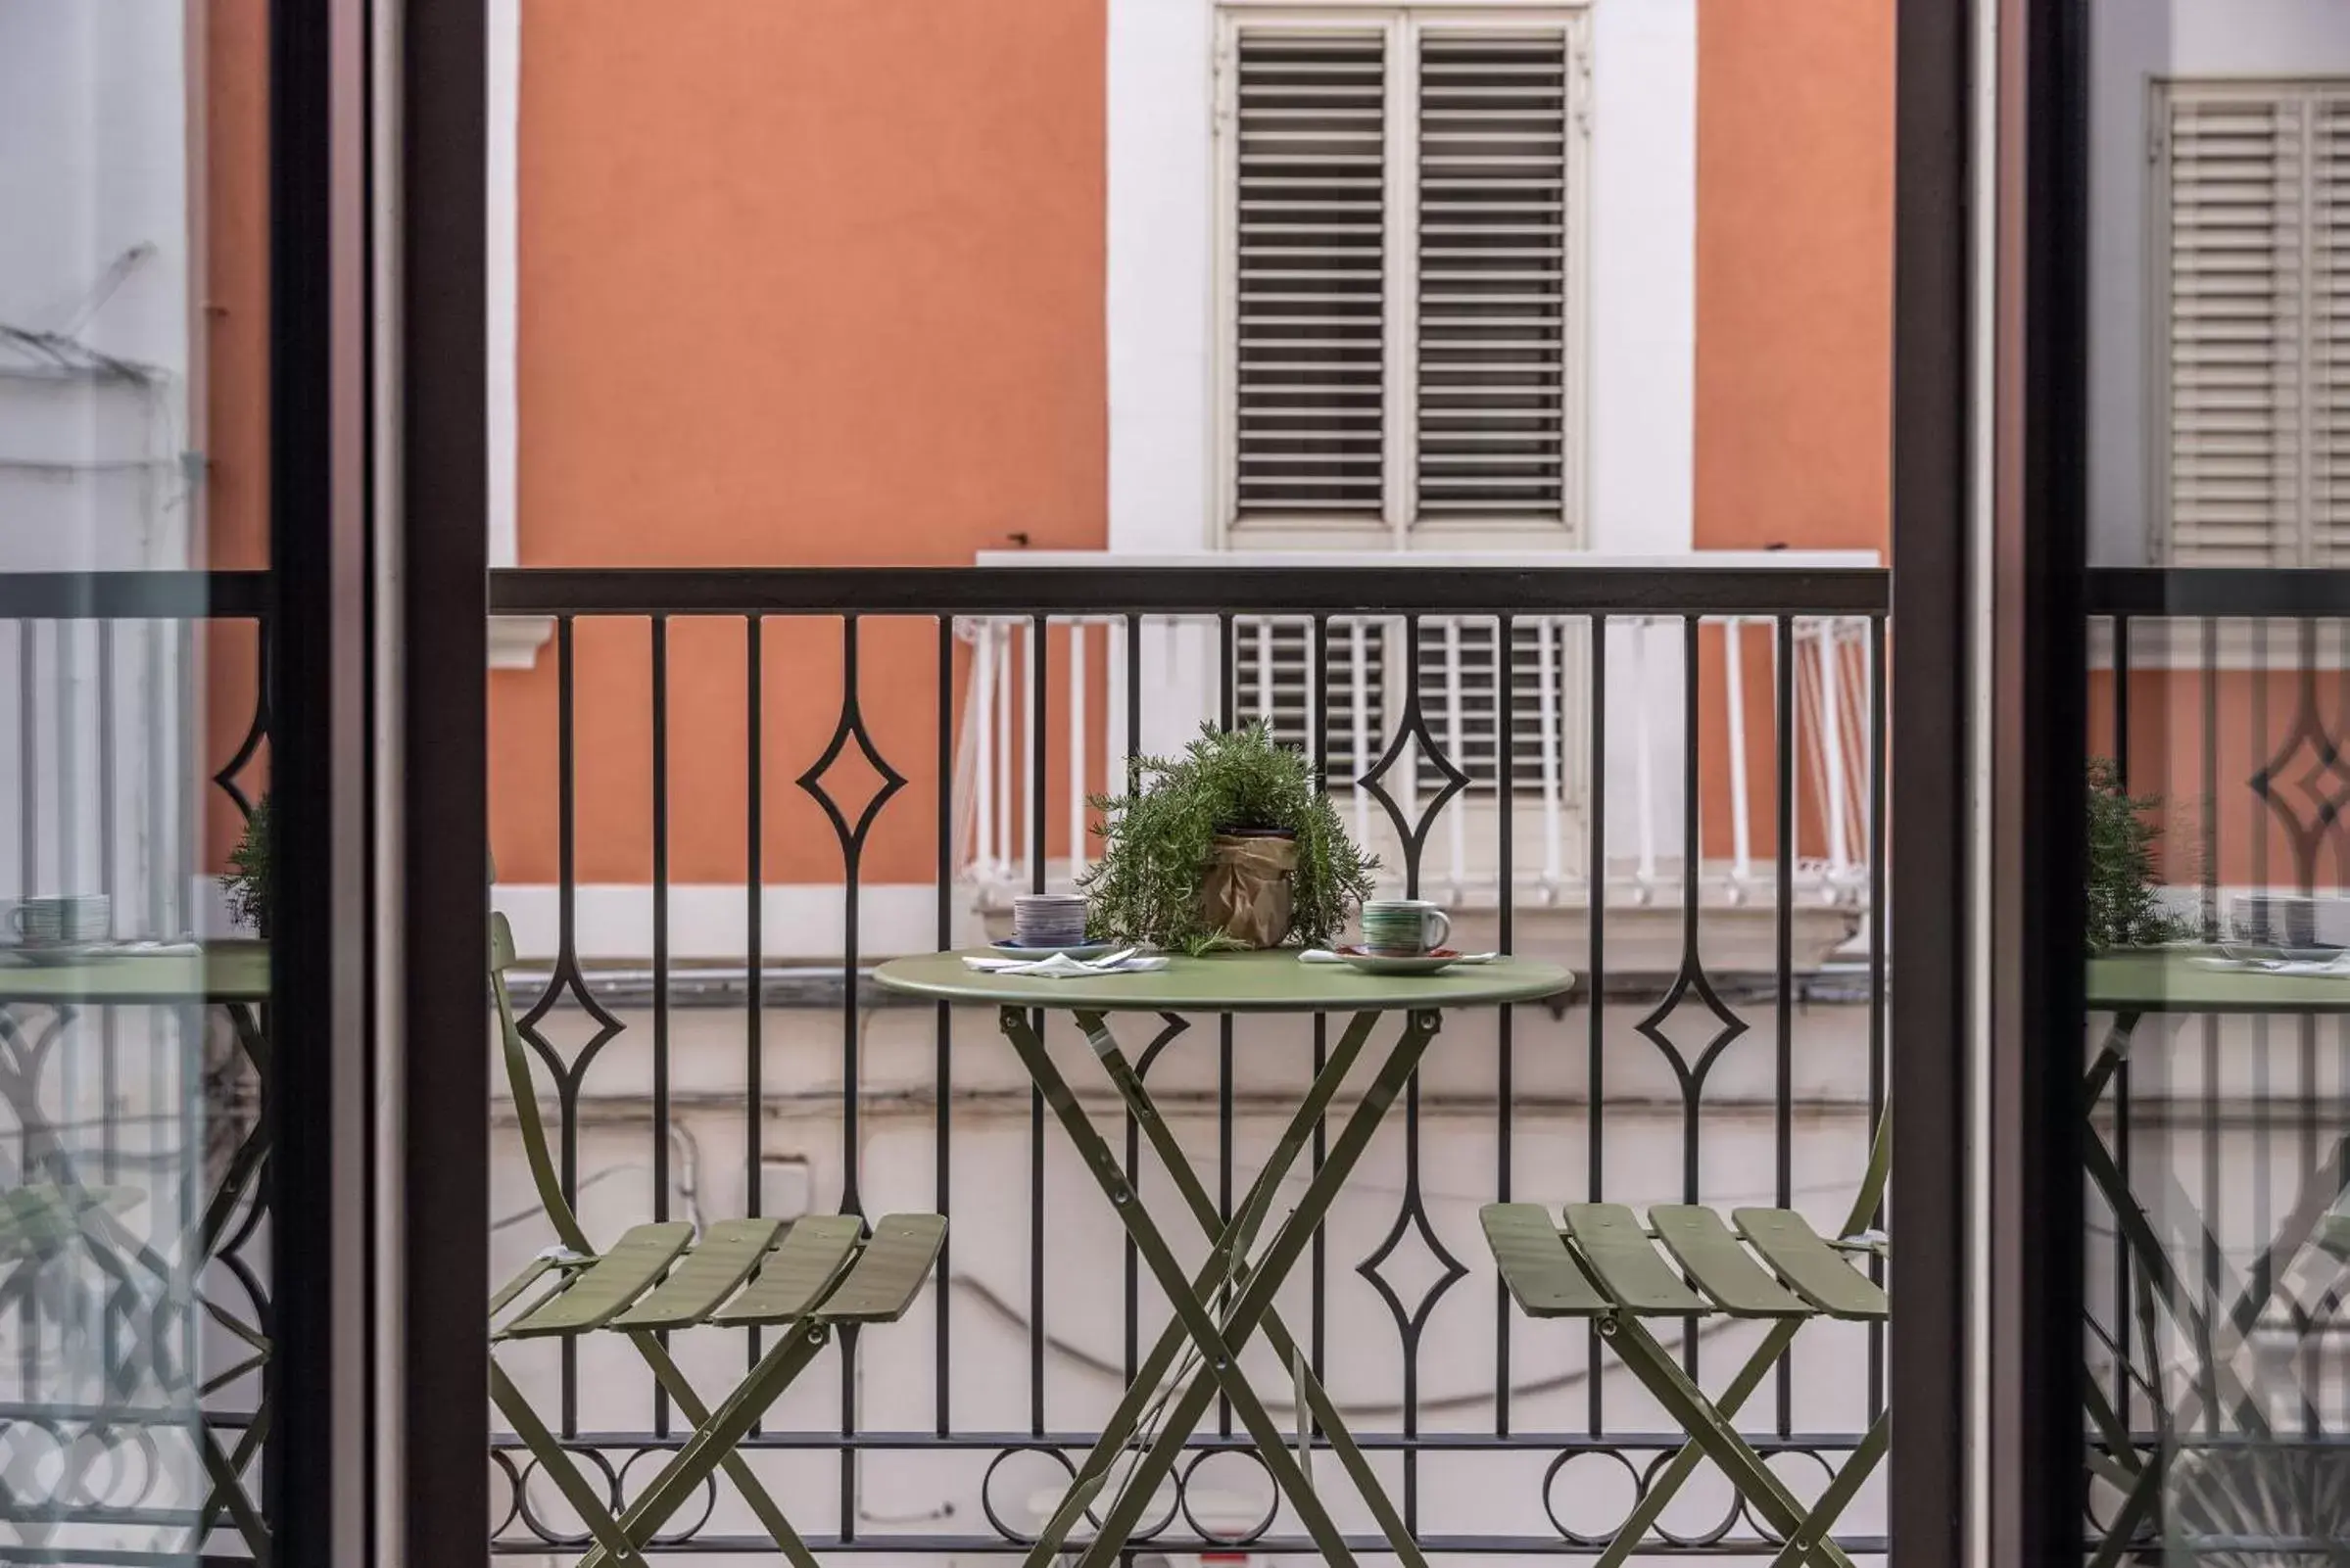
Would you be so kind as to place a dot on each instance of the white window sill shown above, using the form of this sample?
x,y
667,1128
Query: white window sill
x,y
516,639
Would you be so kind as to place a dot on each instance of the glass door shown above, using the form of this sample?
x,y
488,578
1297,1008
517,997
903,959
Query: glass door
x,y
136,1243
2213,432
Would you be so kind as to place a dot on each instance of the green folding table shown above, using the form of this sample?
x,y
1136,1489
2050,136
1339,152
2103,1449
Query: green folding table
x,y
233,976
2184,982
1230,1298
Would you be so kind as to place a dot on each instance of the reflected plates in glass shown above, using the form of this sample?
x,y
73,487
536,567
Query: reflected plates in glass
x,y
49,955
2268,953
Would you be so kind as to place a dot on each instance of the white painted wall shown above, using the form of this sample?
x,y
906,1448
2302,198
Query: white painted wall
x,y
1643,235
97,262
1160,139
1161,254
94,246
2133,43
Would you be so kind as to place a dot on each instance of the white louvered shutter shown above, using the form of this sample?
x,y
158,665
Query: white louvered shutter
x,y
1272,664
2255,400
1493,247
1310,186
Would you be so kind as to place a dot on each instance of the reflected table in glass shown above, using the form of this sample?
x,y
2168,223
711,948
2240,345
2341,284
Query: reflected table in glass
x,y
232,975
2187,983
1230,1298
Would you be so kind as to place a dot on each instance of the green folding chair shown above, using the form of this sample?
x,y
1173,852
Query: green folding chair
x,y
818,1274
1609,1268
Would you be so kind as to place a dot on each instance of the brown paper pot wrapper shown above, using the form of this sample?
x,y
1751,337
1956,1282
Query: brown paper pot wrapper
x,y
1245,893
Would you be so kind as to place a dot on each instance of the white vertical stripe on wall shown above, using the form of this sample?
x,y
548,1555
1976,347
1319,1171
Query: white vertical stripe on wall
x,y
504,51
1160,139
1644,230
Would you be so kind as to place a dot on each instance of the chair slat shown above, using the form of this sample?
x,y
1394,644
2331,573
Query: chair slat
x,y
795,1275
714,1270
1617,1248
45,1215
1542,1276
889,1271
1723,1269
606,1287
1811,1268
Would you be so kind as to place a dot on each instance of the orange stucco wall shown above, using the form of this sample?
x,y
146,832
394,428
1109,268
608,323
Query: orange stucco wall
x,y
2197,742
802,284
1793,395
233,184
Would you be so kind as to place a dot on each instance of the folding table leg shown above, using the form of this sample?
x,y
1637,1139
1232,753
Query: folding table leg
x,y
1221,1351
1277,1333
1232,1242
1255,1299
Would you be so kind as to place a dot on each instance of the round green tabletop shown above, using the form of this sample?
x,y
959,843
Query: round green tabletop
x,y
1230,982
2173,980
218,972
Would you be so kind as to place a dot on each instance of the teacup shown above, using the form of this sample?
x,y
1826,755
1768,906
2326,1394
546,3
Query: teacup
x,y
1404,928
1048,919
70,918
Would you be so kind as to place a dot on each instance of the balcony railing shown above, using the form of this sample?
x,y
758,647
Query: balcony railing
x,y
722,796
2221,698
1319,684
824,745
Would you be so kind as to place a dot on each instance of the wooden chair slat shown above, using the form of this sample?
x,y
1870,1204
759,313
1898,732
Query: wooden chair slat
x,y
713,1271
798,1274
1621,1256
1811,1268
1541,1275
1702,1244
604,1289
889,1272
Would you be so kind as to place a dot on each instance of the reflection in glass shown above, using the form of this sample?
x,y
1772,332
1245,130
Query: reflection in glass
x,y
133,1238
2218,1413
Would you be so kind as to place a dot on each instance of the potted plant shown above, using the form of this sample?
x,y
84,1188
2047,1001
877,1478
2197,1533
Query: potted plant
x,y
1233,844
2124,909
247,881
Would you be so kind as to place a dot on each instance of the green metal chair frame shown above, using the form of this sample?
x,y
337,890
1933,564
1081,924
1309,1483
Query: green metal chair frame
x,y
821,1273
1605,1266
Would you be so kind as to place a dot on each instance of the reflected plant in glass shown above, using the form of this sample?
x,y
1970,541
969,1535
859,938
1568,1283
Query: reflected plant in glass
x,y
2124,899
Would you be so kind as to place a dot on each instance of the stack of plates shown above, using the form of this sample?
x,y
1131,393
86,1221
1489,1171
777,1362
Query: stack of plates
x,y
1048,919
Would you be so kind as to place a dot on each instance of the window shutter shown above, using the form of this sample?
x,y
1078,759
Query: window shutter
x,y
2330,330
1287,643
2236,329
1493,269
1311,192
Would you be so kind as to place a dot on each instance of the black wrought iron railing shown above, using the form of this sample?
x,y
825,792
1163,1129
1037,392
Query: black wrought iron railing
x,y
2221,699
120,753
724,795
721,798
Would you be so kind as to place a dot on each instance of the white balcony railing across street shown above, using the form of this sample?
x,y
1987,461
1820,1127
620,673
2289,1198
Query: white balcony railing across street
x,y
1369,681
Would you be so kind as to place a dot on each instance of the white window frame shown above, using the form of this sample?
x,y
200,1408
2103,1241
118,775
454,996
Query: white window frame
x,y
2162,92
514,639
1397,529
